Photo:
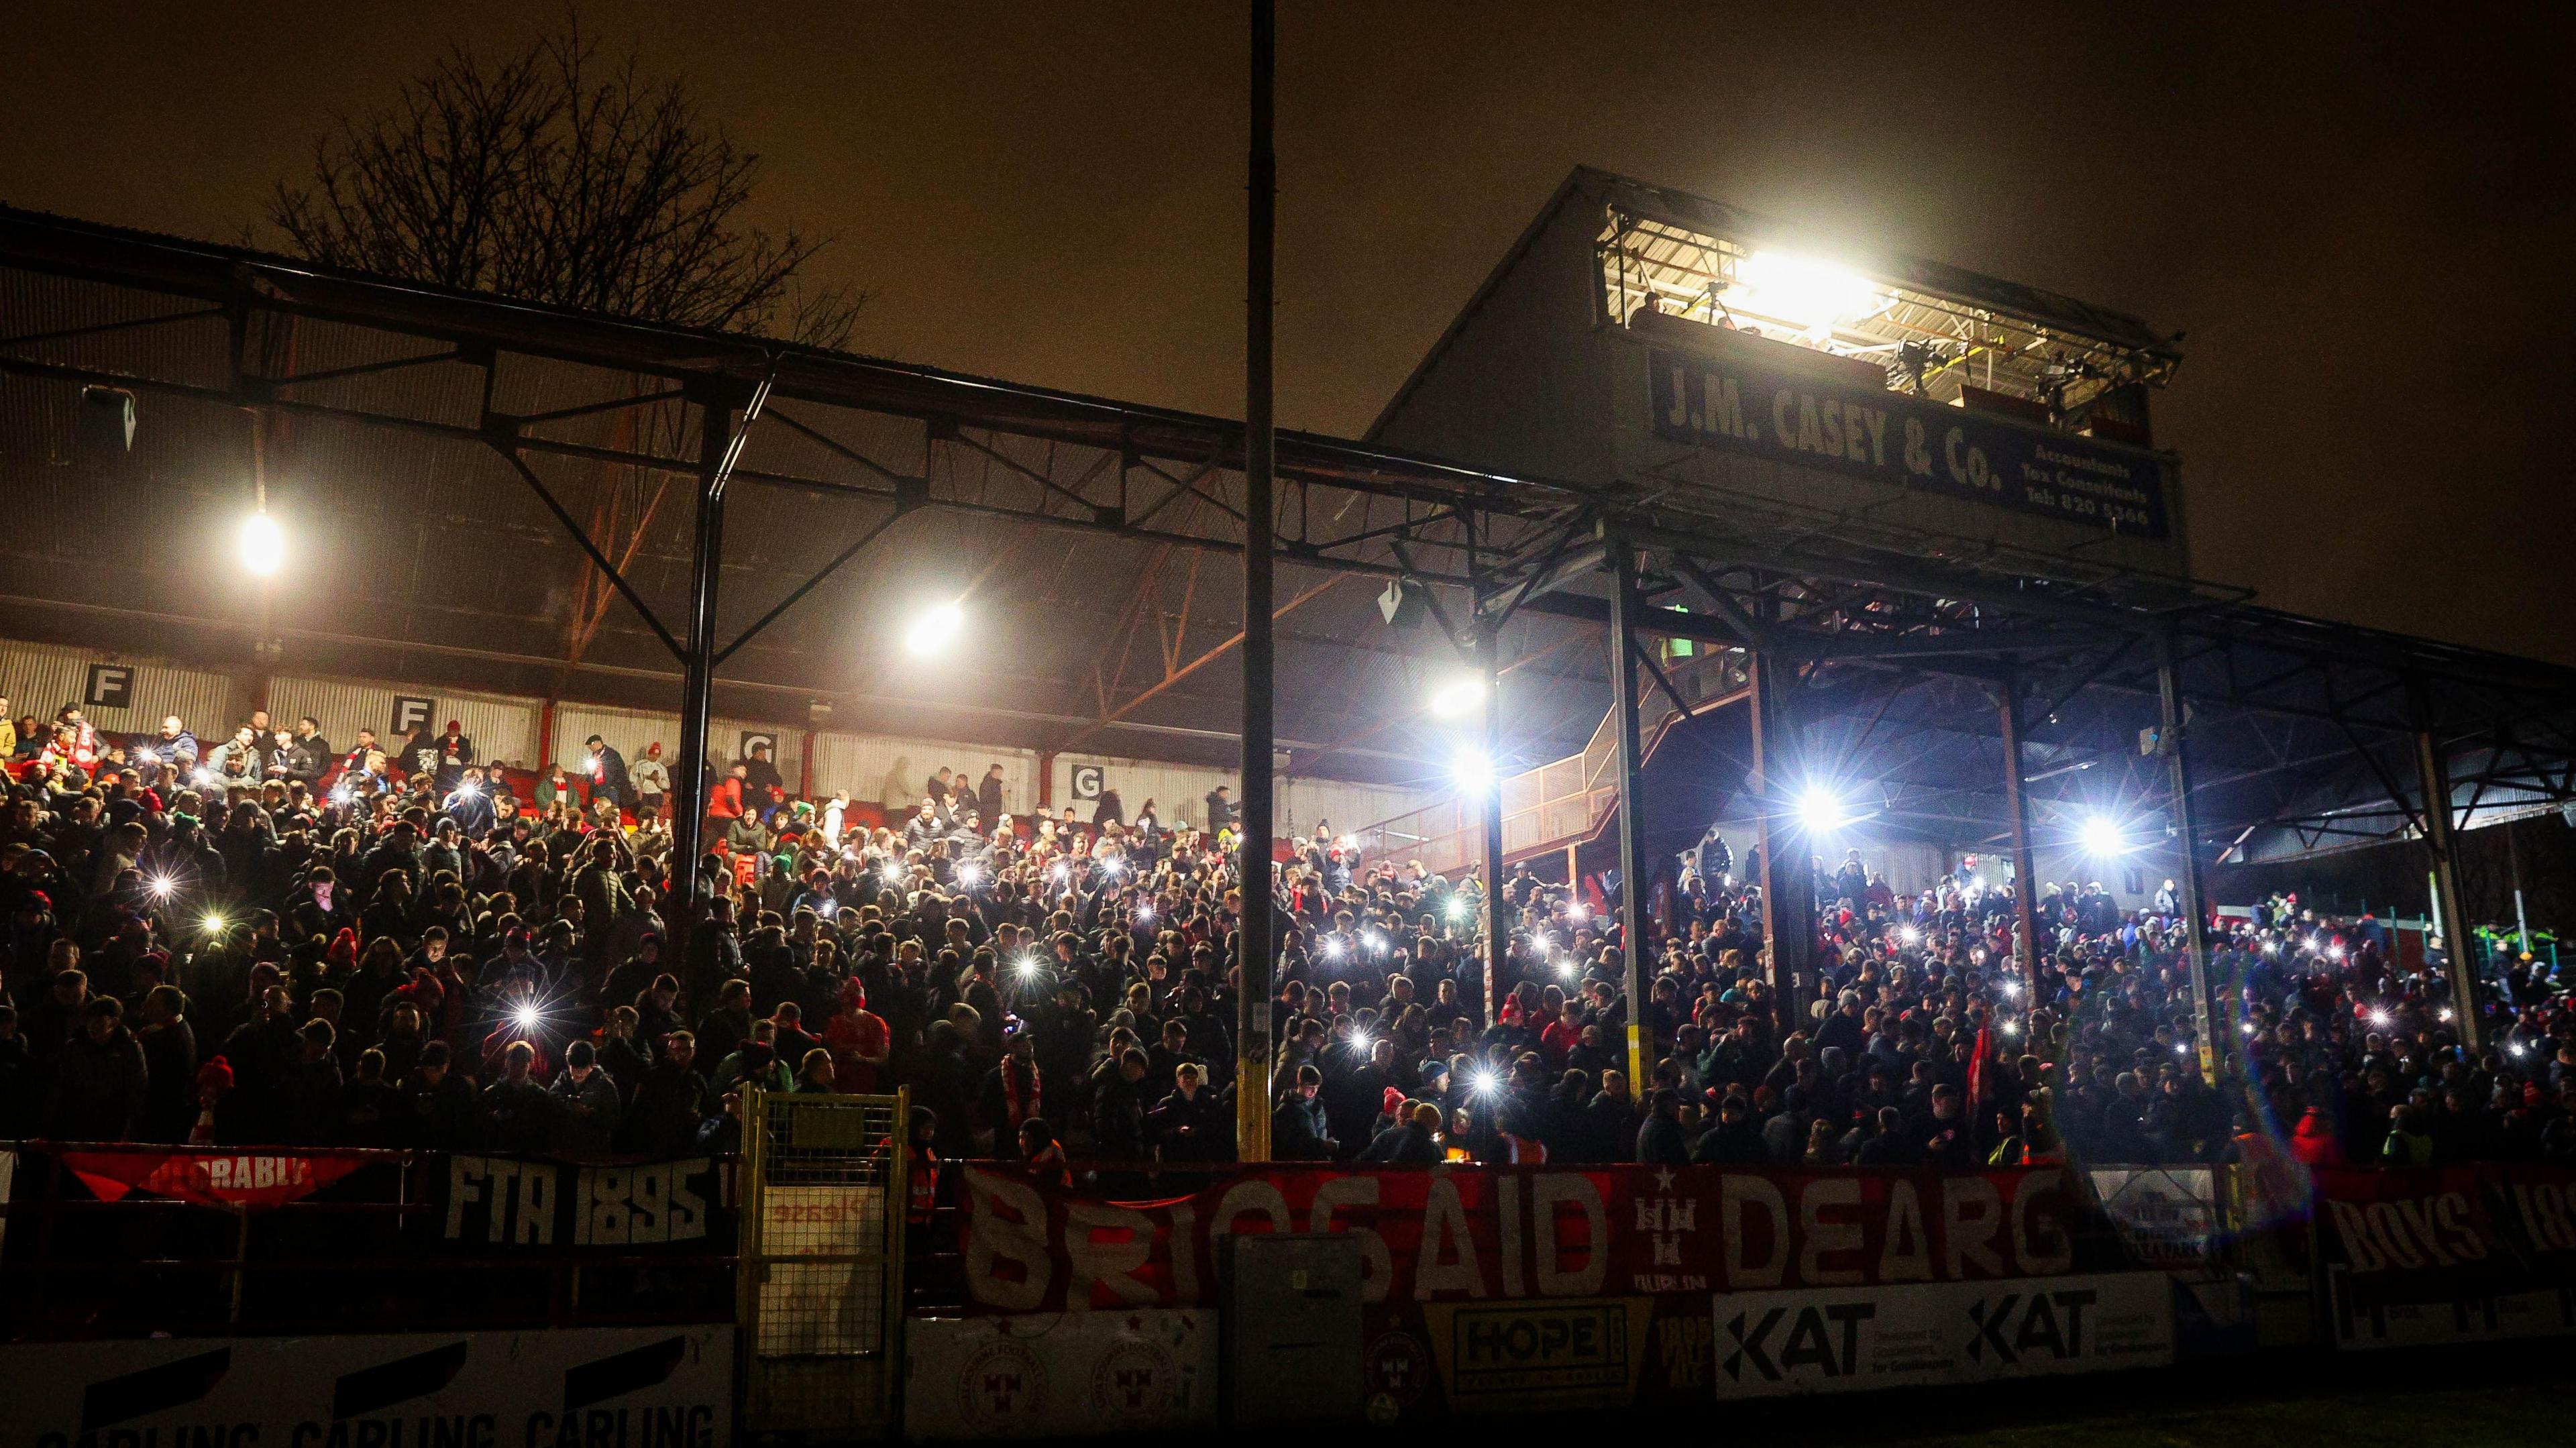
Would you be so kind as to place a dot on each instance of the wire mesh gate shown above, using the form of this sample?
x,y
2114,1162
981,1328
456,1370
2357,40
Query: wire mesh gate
x,y
822,1265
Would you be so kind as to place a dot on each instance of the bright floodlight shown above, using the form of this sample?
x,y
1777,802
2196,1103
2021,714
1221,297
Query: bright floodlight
x,y
1457,907
2381,1019
526,1017
161,886
263,544
2103,838
1820,810
968,874
1473,769
1458,696
214,925
1802,290
2182,1048
935,629
1485,1082
1028,967
1144,914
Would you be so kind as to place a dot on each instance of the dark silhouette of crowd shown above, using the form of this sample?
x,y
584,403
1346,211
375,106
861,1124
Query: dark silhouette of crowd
x,y
272,941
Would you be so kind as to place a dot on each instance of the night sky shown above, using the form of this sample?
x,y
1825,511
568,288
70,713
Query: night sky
x,y
2361,215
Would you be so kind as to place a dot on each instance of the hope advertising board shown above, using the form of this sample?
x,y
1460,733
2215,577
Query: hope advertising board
x,y
1742,398
1540,1356
644,1387
1932,1333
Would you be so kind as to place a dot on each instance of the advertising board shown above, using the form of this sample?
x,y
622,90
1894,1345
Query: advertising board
x,y
641,1387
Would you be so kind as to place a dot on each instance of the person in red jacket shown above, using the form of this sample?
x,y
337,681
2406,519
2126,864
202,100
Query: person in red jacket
x,y
724,806
858,1040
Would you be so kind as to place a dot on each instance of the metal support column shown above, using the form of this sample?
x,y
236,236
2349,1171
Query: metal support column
x,y
2025,871
698,667
2174,741
1260,461
1632,854
2459,938
1788,876
1497,918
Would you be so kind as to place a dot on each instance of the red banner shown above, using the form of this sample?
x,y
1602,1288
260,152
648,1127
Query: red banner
x,y
1507,1233
214,1179
2433,1233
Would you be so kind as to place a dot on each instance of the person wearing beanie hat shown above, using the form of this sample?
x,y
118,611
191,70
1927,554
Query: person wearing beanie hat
x,y
454,751
756,1065
214,1085
590,1105
1411,1139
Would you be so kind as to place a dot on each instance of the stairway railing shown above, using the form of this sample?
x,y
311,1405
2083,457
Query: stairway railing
x,y
1561,802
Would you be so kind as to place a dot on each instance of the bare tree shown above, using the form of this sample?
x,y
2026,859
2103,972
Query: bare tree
x,y
554,177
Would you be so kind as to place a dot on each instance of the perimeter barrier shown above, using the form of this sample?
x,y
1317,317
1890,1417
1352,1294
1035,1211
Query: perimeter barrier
x,y
816,1290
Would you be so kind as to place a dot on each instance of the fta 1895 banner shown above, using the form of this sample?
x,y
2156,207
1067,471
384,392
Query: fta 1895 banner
x,y
1506,1233
492,1204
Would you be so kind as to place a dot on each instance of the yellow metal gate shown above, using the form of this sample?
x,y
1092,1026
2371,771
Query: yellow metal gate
x,y
822,1265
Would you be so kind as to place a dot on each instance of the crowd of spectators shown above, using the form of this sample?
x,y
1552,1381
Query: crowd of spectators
x,y
274,941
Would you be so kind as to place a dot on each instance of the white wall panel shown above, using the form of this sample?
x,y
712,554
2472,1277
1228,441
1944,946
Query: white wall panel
x,y
1179,792
503,727
878,768
1176,790
626,730
39,679
725,741
1349,807
1910,867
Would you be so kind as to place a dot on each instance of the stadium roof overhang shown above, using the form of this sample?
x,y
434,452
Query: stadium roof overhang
x,y
469,436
